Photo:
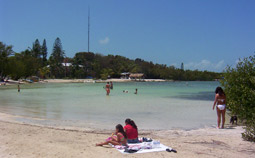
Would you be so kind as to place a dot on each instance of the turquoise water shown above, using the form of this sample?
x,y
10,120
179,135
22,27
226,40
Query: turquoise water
x,y
158,105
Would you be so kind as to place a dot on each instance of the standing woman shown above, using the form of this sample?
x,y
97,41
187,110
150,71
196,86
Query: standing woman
x,y
220,100
131,131
107,88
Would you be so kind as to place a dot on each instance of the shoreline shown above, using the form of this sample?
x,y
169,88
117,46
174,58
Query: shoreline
x,y
26,140
14,82
114,80
89,126
60,125
100,81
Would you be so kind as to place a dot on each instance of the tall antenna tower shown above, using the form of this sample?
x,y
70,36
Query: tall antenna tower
x,y
88,27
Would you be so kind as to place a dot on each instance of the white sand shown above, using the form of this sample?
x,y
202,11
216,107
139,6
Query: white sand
x,y
29,141
98,81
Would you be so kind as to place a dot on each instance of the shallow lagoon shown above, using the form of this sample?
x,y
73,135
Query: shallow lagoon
x,y
158,105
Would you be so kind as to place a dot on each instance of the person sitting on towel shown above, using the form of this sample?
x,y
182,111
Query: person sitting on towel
x,y
117,138
131,131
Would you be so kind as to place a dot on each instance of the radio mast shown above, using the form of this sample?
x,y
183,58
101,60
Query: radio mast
x,y
88,27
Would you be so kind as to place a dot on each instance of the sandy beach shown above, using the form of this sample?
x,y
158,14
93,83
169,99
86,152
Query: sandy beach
x,y
100,81
20,140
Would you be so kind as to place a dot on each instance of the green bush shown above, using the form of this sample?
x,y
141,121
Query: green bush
x,y
249,133
239,86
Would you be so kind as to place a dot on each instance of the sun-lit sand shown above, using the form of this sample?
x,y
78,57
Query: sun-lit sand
x,y
30,141
99,81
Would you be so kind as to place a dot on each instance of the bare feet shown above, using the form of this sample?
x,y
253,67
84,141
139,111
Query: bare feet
x,y
99,145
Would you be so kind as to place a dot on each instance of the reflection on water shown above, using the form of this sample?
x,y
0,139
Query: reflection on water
x,y
85,104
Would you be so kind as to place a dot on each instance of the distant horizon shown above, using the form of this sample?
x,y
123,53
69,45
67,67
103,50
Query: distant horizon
x,y
204,35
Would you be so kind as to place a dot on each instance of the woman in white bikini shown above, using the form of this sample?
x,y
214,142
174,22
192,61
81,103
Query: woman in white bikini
x,y
220,100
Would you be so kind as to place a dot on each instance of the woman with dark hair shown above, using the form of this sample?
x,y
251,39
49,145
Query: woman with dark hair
x,y
131,131
117,138
220,100
107,88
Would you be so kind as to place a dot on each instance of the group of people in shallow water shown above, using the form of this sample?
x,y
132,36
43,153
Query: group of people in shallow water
x,y
109,86
123,135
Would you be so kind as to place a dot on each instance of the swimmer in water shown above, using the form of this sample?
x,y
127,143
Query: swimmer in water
x,y
107,88
111,85
136,91
18,88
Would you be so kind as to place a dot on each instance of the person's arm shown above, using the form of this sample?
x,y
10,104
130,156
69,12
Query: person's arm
x,y
114,137
215,101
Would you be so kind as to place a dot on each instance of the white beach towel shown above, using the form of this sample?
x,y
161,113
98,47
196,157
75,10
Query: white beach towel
x,y
141,147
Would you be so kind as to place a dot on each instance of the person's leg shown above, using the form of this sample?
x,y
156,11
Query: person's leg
x,y
223,117
218,116
107,142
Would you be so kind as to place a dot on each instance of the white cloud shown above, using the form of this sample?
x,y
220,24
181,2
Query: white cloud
x,y
206,65
104,41
220,64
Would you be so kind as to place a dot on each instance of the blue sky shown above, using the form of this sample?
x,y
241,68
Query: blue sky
x,y
203,34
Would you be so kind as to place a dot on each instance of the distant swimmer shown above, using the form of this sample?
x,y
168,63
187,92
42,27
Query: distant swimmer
x,y
136,91
18,88
107,88
125,91
111,85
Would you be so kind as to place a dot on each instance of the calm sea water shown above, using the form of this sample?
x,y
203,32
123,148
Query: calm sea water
x,y
158,105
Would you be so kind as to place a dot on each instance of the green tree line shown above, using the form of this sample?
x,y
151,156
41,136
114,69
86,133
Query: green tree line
x,y
34,62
